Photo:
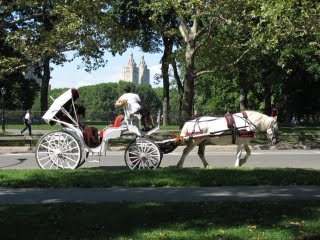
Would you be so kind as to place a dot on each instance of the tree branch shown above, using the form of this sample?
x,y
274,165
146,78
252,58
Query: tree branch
x,y
241,56
183,28
199,73
177,77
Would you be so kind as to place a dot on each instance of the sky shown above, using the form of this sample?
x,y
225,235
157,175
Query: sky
x,y
69,76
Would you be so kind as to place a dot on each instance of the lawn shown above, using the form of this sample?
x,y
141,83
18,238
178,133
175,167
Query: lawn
x,y
274,220
217,220
158,178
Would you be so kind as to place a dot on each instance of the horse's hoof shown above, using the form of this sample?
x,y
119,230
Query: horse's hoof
x,y
208,167
242,161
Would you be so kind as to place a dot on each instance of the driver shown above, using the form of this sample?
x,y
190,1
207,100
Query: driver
x,y
133,100
134,107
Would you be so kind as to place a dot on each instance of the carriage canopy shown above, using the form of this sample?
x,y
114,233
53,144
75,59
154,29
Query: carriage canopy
x,y
63,101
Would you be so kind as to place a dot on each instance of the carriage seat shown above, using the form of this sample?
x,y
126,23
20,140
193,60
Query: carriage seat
x,y
117,123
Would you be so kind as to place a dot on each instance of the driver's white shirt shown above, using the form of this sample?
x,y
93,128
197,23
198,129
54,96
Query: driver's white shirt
x,y
132,100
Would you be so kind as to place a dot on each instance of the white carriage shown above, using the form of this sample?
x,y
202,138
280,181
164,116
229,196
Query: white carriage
x,y
67,149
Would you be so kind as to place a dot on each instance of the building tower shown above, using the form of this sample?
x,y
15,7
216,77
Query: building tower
x,y
131,73
144,72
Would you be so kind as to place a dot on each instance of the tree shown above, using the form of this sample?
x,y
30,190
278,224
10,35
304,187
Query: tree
x,y
43,31
14,82
196,22
135,24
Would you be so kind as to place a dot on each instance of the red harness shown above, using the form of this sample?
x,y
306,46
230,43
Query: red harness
x,y
231,124
230,120
245,133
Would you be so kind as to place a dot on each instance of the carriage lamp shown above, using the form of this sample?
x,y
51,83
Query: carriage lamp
x,y
3,92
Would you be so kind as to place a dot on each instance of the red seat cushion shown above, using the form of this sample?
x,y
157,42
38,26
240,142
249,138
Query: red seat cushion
x,y
117,121
116,124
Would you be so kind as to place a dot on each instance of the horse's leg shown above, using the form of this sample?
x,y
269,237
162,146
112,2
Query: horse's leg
x,y
186,151
239,152
248,153
202,147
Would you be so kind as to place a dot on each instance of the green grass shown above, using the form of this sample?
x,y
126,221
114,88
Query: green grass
x,y
298,129
215,220
157,178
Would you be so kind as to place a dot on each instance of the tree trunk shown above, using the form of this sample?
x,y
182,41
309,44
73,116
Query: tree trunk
x,y
179,84
188,89
243,100
45,84
168,45
267,99
166,96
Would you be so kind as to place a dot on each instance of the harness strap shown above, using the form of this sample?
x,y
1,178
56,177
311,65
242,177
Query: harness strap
x,y
194,127
232,125
230,120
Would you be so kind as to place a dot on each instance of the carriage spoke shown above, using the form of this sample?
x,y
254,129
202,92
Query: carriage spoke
x,y
135,165
70,154
40,159
50,160
143,154
62,149
72,160
51,149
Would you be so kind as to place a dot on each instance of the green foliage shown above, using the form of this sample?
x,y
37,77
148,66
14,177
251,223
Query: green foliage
x,y
99,100
215,96
20,92
149,97
266,50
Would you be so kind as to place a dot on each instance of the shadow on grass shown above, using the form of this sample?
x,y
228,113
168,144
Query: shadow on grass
x,y
161,177
222,220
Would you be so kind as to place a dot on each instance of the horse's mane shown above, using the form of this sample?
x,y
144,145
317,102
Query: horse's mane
x,y
261,120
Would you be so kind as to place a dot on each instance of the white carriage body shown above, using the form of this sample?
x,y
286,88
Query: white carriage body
x,y
53,145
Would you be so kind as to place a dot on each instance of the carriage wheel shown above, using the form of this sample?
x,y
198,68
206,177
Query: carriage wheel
x,y
57,150
142,154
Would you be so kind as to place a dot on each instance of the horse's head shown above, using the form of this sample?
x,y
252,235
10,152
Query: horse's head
x,y
273,131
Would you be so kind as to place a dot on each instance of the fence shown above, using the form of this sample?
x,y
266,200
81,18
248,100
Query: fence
x,y
16,117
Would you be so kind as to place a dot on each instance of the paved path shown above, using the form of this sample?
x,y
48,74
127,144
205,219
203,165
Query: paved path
x,y
166,194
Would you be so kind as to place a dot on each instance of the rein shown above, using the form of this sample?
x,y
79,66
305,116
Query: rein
x,y
246,120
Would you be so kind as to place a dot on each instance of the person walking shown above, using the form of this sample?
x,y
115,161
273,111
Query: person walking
x,y
27,123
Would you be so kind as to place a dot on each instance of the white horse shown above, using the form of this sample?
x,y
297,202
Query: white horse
x,y
237,129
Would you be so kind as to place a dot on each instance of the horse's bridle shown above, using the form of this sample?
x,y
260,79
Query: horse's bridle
x,y
272,132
